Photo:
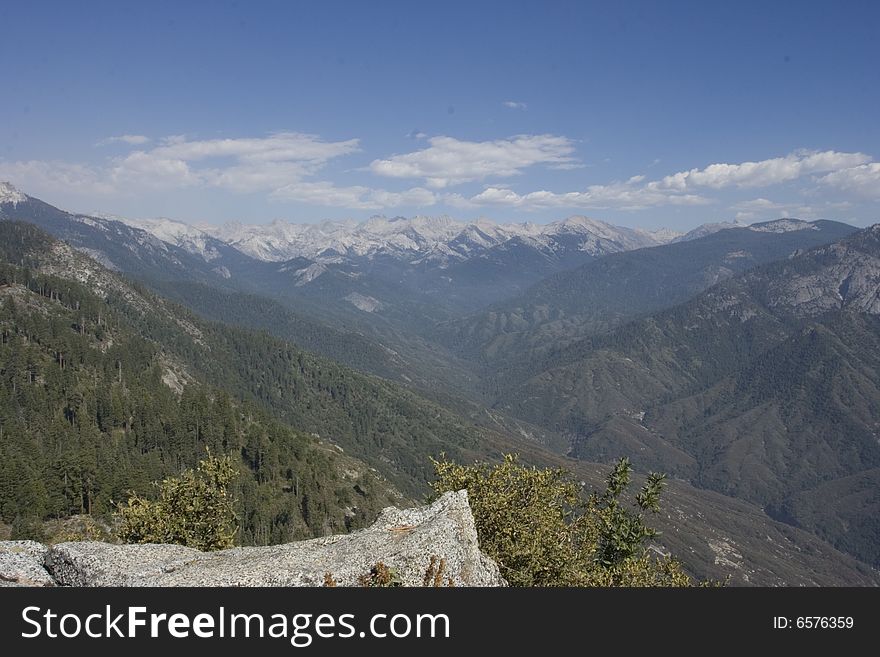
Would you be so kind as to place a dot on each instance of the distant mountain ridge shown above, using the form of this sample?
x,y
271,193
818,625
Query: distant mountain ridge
x,y
439,240
379,275
420,239
606,292
420,243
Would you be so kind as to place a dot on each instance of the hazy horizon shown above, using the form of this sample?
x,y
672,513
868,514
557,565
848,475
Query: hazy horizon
x,y
463,219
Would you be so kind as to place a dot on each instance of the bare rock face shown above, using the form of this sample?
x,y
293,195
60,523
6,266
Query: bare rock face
x,y
21,564
845,275
89,563
404,540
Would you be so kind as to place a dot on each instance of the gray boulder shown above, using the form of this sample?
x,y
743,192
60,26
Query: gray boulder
x,y
404,540
89,563
21,564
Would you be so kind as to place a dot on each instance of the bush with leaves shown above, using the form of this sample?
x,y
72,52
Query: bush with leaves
x,y
538,527
195,509
27,528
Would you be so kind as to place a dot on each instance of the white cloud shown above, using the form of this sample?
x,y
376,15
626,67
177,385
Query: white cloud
x,y
322,193
763,173
243,165
567,166
623,195
514,104
173,139
762,209
142,169
279,147
353,197
758,204
45,177
848,171
415,196
240,165
131,140
449,161
286,167
863,180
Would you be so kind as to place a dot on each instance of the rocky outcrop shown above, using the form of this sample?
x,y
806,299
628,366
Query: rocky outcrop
x,y
404,540
22,564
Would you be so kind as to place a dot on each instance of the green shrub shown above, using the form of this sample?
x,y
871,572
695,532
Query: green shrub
x,y
541,531
27,528
194,509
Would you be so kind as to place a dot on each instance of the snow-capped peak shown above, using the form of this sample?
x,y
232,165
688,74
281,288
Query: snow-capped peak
x,y
595,229
9,194
167,230
441,240
178,233
420,238
580,223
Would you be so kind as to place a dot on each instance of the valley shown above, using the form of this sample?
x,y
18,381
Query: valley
x,y
336,358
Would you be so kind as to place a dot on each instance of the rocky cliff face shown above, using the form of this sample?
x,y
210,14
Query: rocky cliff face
x,y
843,275
404,540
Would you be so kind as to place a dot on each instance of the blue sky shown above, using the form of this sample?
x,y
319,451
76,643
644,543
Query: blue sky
x,y
640,113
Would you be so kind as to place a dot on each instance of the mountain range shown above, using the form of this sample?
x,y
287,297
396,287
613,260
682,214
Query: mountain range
x,y
441,240
739,359
610,291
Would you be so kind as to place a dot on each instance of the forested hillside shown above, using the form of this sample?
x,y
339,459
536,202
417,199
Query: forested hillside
x,y
104,392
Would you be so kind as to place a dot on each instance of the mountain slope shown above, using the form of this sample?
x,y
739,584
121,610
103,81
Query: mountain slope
x,y
121,247
389,426
766,387
262,313
92,408
718,536
796,430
